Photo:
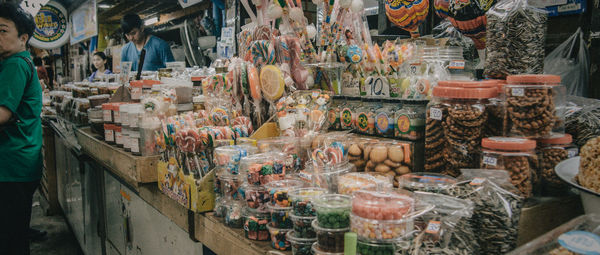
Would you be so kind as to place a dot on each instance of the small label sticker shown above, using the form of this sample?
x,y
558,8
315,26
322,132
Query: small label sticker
x,y
109,135
572,152
457,64
433,227
107,116
305,176
580,242
119,138
518,92
135,145
435,113
477,181
490,161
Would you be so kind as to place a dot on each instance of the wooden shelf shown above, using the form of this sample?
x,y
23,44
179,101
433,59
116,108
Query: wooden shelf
x,y
134,170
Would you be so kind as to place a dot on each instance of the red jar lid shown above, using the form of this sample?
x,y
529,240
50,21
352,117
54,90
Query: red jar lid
x,y
469,84
557,139
508,143
464,93
543,79
136,84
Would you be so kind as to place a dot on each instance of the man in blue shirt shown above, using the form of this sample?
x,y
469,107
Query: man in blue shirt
x,y
158,52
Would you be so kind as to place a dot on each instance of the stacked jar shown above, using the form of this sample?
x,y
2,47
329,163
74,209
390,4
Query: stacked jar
x,y
384,118
535,105
455,125
551,151
135,115
333,221
515,155
302,215
365,116
410,120
348,113
281,209
381,216
287,145
123,121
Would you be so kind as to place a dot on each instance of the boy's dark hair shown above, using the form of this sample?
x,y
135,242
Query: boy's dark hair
x,y
37,61
101,55
22,19
130,21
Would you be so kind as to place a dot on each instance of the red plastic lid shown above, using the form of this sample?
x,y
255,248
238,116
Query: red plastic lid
x,y
137,84
150,82
117,128
542,79
109,126
508,143
469,84
558,139
464,93
107,106
198,78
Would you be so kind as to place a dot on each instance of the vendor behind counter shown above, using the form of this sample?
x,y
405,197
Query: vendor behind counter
x,y
158,52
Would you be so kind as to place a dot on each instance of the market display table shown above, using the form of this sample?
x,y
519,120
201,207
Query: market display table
x,y
138,175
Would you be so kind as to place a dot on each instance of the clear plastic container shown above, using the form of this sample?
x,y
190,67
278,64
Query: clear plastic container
x,y
316,250
551,151
263,168
257,197
356,149
280,216
302,226
327,76
365,116
427,182
409,120
230,184
123,117
455,124
255,224
381,205
233,214
279,191
515,155
389,158
135,114
302,200
578,236
118,131
364,247
136,89
454,62
278,237
348,113
300,246
384,118
328,179
333,211
286,145
229,157
149,129
126,133
330,240
107,112
351,182
134,142
535,105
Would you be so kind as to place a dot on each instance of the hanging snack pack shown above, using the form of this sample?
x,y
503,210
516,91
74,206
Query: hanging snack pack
x,y
516,33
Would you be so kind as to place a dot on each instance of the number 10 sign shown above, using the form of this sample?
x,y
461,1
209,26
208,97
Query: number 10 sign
x,y
377,86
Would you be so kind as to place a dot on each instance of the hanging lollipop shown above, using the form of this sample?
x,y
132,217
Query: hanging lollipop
x,y
441,8
407,14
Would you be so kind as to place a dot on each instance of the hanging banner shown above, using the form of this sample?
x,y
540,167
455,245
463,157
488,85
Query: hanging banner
x,y
33,6
52,28
84,22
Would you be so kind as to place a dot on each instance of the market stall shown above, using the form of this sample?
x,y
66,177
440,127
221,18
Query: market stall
x,y
311,136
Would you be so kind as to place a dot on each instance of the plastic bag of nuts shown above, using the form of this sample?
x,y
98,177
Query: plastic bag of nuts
x,y
516,32
515,155
551,151
389,158
535,105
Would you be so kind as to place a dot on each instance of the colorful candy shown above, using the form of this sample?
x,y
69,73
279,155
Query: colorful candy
x,y
278,238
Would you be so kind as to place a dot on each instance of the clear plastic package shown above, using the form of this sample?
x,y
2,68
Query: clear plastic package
x,y
278,238
410,120
302,226
230,184
257,197
535,105
233,214
229,157
255,224
287,145
329,239
302,200
328,178
300,246
263,168
280,216
350,182
389,158
316,250
279,191
381,215
427,182
364,247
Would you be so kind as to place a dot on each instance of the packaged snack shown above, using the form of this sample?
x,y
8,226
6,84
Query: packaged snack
x,y
333,211
389,158
426,182
255,224
285,145
551,151
381,215
328,178
229,157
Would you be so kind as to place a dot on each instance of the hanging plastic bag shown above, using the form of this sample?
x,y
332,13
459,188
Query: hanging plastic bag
x,y
571,60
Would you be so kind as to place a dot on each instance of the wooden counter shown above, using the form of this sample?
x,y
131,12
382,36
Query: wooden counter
x,y
140,174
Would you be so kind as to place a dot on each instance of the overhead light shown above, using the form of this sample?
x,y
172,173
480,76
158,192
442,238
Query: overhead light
x,y
104,6
150,21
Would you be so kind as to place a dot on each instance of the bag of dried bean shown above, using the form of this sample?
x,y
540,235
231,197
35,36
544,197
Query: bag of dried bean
x,y
516,33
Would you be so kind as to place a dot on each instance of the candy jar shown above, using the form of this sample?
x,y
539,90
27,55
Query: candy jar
x,y
365,247
278,238
300,246
279,191
285,145
348,112
365,117
229,157
381,215
257,197
280,216
302,200
328,179
384,118
333,211
409,120
427,182
330,239
230,184
233,215
551,151
333,115
255,224
302,225
350,182
263,168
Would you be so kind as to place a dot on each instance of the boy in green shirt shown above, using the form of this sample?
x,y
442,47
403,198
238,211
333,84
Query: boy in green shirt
x,y
20,129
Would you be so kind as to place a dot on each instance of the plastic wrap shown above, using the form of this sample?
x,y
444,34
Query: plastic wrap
x,y
516,33
582,119
571,60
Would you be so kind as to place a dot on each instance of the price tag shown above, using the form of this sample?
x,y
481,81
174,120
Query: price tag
x,y
305,176
457,64
350,85
433,227
135,145
477,181
119,137
106,115
377,86
491,161
435,113
572,152
414,69
518,92
109,135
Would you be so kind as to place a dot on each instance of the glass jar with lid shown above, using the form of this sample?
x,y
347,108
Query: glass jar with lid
x,y
535,105
515,155
454,62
